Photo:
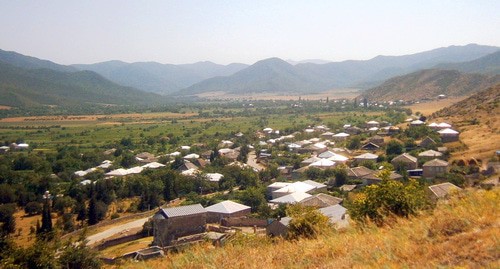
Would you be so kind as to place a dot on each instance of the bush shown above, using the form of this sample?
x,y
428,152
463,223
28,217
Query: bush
x,y
33,208
376,202
306,222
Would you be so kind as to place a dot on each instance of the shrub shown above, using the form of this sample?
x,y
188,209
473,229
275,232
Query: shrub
x,y
306,222
388,197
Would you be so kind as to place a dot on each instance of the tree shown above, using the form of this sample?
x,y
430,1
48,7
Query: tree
x,y
7,219
340,176
354,143
46,217
253,197
378,201
394,148
76,256
306,222
92,211
33,208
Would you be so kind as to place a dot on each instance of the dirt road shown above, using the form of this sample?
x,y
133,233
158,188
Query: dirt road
x,y
252,161
116,230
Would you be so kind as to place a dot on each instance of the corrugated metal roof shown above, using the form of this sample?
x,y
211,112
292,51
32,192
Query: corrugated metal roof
x,y
227,207
334,212
187,210
291,198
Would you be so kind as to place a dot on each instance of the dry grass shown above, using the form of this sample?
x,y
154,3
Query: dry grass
x,y
460,233
124,248
331,94
428,108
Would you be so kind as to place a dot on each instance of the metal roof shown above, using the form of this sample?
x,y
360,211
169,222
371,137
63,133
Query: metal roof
x,y
291,198
227,207
187,210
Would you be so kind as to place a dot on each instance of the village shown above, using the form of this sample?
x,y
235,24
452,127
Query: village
x,y
319,168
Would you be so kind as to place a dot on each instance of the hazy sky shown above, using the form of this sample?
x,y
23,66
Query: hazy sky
x,y
186,31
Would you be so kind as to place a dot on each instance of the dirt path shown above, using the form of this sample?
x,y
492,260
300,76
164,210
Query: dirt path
x,y
115,230
252,161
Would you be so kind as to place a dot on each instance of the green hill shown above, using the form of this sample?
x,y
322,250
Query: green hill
x,y
28,62
32,87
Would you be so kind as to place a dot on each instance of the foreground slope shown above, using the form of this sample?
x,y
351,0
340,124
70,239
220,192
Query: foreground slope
x,y
462,232
429,84
32,87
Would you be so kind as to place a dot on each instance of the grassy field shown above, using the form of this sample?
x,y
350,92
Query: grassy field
x,y
462,233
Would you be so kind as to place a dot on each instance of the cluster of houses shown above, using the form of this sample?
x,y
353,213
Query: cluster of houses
x,y
13,147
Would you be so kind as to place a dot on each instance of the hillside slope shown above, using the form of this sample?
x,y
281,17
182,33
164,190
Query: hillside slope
x,y
429,84
28,62
159,78
461,233
269,75
22,87
489,64
478,120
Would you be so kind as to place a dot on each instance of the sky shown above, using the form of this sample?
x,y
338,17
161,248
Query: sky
x,y
187,31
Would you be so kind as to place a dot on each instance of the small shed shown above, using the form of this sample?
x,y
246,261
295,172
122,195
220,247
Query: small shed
x,y
321,200
174,222
405,161
442,190
278,227
427,142
448,135
435,167
226,209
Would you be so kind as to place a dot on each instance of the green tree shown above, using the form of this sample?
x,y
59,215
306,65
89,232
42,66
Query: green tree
x,y
306,222
394,148
389,197
78,255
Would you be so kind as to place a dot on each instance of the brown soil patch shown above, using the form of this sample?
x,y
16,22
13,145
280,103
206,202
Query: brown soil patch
x,y
5,107
428,108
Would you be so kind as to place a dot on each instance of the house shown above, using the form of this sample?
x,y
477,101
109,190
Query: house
x,y
374,179
372,124
416,123
353,130
278,227
187,165
340,136
347,187
337,158
153,165
309,161
292,188
327,135
291,198
359,172
275,186
323,163
4,149
427,143
226,209
430,154
370,146
448,135
317,186
174,222
442,190
405,161
207,154
214,177
145,157
366,157
336,215
191,156
321,200
377,140
435,167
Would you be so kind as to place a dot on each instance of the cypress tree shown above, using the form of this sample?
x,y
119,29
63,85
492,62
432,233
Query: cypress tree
x,y
46,219
93,219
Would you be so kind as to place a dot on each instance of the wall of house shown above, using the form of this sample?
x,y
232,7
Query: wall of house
x,y
243,221
433,171
216,217
167,230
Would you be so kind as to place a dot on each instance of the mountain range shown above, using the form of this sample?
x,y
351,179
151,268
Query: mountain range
x,y
21,87
118,82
